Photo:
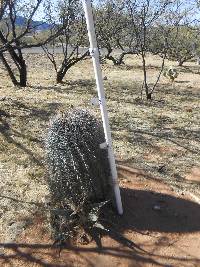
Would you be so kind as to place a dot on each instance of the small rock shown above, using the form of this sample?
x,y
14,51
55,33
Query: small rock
x,y
147,232
156,207
126,181
178,176
2,252
3,113
162,168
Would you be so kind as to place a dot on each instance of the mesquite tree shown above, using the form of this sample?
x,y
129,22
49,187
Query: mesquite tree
x,y
144,16
181,46
113,31
11,37
184,32
69,15
181,26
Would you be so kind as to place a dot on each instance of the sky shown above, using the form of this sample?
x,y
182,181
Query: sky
x,y
40,12
41,16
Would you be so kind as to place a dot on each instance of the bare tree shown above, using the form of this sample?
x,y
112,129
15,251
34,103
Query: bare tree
x,y
181,20
182,45
72,39
13,36
113,31
146,22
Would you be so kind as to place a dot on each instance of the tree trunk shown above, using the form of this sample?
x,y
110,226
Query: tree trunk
x,y
120,61
109,57
198,61
180,63
23,74
9,70
116,62
59,77
149,96
121,57
21,66
66,65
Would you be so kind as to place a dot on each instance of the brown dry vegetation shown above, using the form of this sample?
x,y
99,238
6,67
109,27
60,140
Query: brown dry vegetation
x,y
160,137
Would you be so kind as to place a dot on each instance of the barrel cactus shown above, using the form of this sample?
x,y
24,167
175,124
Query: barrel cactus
x,y
78,171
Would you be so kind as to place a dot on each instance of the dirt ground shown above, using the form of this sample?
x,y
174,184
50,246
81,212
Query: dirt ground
x,y
161,228
160,137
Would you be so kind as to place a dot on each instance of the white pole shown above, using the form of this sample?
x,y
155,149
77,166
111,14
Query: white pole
x,y
102,101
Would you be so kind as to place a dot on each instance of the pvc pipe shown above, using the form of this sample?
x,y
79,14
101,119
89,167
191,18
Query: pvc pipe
x,y
102,101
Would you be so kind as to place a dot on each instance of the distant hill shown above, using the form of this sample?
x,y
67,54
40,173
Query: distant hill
x,y
39,25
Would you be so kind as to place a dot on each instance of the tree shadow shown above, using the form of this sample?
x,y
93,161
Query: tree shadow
x,y
168,136
36,254
190,69
182,82
176,215
7,133
37,204
133,67
35,112
79,85
179,91
22,139
28,254
82,82
178,136
124,92
56,88
82,85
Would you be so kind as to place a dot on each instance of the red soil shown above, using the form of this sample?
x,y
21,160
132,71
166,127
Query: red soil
x,y
164,229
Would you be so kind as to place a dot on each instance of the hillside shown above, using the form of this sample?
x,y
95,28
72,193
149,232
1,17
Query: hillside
x,y
39,25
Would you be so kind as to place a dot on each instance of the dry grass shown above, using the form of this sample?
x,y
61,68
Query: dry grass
x,y
161,136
